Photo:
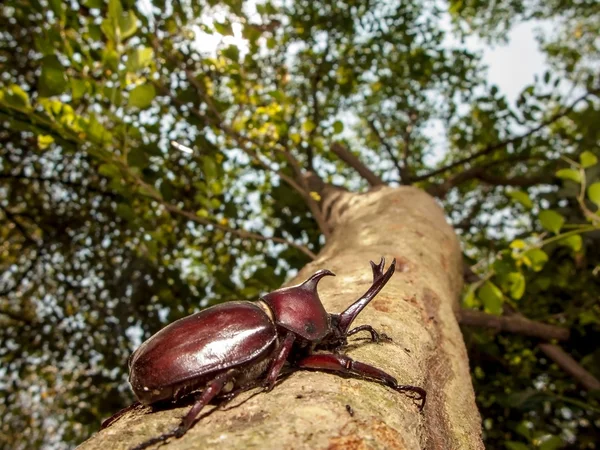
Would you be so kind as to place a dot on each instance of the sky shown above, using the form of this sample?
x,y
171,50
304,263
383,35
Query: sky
x,y
513,66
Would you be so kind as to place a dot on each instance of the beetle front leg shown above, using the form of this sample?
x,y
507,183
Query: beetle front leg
x,y
344,364
375,336
282,354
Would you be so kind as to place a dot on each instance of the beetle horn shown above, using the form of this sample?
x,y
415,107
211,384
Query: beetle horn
x,y
379,281
311,283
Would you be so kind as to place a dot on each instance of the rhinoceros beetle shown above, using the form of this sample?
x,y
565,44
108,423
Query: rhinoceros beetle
x,y
239,345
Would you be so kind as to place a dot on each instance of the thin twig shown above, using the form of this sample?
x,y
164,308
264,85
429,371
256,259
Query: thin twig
x,y
241,233
345,155
387,148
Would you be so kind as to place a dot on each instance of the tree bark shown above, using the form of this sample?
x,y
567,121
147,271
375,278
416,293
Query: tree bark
x,y
307,410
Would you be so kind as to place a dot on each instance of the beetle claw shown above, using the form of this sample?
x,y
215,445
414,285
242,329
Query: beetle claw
x,y
385,337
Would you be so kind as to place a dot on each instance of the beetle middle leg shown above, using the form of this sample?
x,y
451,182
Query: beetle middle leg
x,y
280,358
344,364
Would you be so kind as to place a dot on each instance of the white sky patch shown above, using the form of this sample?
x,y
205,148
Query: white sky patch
x,y
207,43
514,65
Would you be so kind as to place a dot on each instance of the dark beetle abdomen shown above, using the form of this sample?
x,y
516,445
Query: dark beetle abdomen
x,y
194,348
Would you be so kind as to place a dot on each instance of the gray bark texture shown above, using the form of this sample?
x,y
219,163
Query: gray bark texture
x,y
307,410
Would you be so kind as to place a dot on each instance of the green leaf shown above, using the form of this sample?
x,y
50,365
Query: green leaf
x,y
514,445
78,88
44,141
308,126
137,158
535,258
574,242
521,197
338,127
147,191
469,299
141,97
223,28
594,193
516,285
53,80
491,297
16,98
209,168
97,4
588,159
115,10
125,212
524,429
551,220
550,442
140,58
569,174
232,53
518,244
58,8
166,190
109,170
127,24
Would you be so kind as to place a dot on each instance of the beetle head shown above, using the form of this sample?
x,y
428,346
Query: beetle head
x,y
299,308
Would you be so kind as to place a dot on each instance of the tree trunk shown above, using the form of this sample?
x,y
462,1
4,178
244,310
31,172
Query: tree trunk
x,y
308,410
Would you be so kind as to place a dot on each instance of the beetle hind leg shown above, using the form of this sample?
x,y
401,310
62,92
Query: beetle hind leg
x,y
213,388
344,364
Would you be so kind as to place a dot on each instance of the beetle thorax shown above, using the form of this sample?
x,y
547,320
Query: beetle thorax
x,y
299,309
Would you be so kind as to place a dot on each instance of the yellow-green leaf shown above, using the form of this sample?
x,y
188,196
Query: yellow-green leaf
x,y
139,59
491,297
588,159
142,96
44,141
521,197
574,242
338,127
516,285
308,126
535,258
569,174
551,221
53,80
127,24
16,98
594,193
518,244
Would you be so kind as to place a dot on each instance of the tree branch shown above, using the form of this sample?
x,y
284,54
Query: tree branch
x,y
569,365
11,217
310,201
23,274
345,155
513,324
481,173
16,317
491,148
241,233
59,181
